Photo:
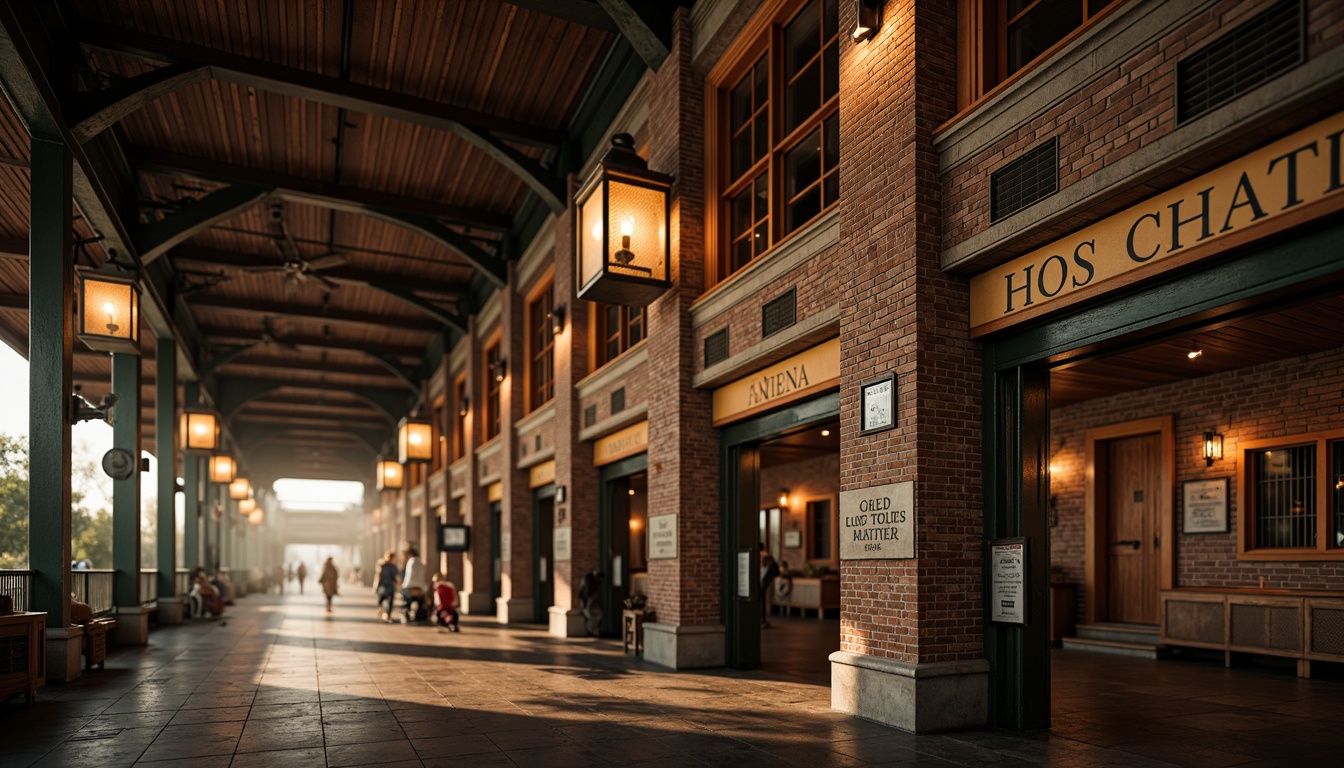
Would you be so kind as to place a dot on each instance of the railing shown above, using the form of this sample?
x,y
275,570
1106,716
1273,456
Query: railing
x,y
182,578
95,589
149,585
18,585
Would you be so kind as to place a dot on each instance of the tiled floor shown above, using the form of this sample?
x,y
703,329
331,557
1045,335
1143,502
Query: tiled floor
x,y
282,684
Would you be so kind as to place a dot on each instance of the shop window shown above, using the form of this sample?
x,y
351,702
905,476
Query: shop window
x,y
492,396
616,330
463,410
1012,35
541,350
1293,505
439,421
780,142
821,525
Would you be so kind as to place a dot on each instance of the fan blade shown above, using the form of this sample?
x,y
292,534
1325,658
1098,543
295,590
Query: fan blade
x,y
325,281
267,268
326,262
291,283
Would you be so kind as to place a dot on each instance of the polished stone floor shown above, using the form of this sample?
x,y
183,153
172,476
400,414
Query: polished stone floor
x,y
282,684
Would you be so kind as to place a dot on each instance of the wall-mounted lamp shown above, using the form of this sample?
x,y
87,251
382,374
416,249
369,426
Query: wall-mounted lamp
x,y
558,320
783,497
222,468
82,410
501,369
257,517
1213,447
391,476
240,488
869,19
247,506
199,431
415,440
464,407
109,310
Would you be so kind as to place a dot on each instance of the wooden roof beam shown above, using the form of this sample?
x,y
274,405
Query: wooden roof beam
x,y
585,13
317,314
89,113
313,342
647,24
229,259
154,240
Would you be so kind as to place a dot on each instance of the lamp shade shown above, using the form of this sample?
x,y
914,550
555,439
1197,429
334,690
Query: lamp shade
x,y
247,506
109,311
391,475
257,517
222,468
621,243
240,488
415,440
199,432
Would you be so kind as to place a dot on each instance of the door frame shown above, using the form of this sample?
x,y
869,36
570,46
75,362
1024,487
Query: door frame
x,y
609,474
1097,513
540,543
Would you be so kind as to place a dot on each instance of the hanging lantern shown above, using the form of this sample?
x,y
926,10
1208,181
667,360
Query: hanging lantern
x,y
109,310
622,243
240,489
199,431
222,468
391,475
247,506
415,440
257,517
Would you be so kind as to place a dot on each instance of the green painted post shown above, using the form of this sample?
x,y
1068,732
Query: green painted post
x,y
51,341
165,446
191,482
126,493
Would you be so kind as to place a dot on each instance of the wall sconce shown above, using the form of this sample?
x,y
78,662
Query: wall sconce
x,y
199,431
82,410
558,320
464,407
391,476
869,19
415,440
109,310
783,497
256,518
222,468
1213,448
247,506
501,369
240,489
622,198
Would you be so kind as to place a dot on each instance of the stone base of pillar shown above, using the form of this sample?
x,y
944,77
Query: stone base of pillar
x,y
132,625
566,622
920,698
513,610
476,604
170,610
65,653
684,646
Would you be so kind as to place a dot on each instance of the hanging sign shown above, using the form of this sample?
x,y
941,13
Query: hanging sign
x,y
561,542
878,523
1008,581
662,537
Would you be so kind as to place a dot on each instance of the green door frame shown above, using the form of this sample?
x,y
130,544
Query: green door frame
x,y
543,530
1016,419
496,552
739,482
612,596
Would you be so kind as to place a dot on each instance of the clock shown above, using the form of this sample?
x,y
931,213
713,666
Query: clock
x,y
118,463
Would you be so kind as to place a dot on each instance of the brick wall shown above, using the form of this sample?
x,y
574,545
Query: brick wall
x,y
1288,397
636,386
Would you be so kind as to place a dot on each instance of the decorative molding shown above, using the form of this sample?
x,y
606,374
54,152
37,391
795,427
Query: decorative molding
x,y
535,419
806,333
538,254
617,369
632,415
488,317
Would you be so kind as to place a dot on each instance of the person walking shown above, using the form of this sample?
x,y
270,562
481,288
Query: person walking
x,y
414,584
590,597
445,602
387,586
329,581
769,572
302,573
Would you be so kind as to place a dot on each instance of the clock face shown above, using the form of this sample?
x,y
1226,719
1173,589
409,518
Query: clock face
x,y
118,463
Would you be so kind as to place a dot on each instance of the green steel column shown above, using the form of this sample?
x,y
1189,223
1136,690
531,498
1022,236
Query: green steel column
x,y
165,446
51,340
191,484
126,493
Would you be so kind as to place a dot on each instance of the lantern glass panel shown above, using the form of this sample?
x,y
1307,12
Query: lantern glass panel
x,y
637,246
391,476
591,237
247,506
200,431
222,469
240,488
256,518
109,309
415,441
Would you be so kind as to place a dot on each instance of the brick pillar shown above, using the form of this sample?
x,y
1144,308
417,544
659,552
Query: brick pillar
x,y
476,564
899,664
515,601
577,516
683,447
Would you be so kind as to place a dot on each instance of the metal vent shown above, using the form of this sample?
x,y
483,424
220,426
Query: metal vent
x,y
618,400
538,442
590,416
1239,61
1327,630
716,347
779,313
1199,622
1029,179
14,655
1270,627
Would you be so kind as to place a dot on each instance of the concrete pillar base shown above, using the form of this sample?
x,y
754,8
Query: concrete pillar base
x,y
170,610
65,653
477,604
684,646
132,625
920,698
513,610
566,622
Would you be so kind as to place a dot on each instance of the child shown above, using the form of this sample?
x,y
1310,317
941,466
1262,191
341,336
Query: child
x,y
445,602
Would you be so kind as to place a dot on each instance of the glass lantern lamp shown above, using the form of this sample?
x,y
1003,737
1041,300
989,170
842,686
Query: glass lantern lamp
x,y
621,238
415,440
391,475
257,517
240,488
222,469
199,432
109,310
247,506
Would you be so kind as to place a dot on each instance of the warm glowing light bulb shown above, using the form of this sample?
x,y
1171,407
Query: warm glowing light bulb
x,y
628,227
109,309
825,433
415,438
199,429
632,491
1194,353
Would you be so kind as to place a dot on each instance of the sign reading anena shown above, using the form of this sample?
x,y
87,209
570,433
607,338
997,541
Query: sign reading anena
x,y
878,523
1254,196
799,376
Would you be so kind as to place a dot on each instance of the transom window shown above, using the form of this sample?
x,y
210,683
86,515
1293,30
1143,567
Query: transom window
x,y
541,348
463,411
1293,500
781,132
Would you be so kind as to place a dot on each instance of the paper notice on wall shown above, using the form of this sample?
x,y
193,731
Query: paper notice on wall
x,y
663,537
562,542
1008,582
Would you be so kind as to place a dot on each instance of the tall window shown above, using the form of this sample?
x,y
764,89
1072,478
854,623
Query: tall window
x,y
541,351
440,422
492,404
779,167
617,329
462,410
1293,498
819,520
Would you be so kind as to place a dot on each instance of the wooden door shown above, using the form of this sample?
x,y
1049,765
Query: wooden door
x,y
1134,480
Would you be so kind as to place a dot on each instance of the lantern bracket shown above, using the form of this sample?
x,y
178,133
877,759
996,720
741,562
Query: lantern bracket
x,y
82,410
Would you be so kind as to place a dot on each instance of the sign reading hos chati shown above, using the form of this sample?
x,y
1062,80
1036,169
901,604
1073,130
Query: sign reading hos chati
x,y
878,523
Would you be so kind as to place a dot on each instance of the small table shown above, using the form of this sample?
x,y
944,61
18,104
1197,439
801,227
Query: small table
x,y
632,629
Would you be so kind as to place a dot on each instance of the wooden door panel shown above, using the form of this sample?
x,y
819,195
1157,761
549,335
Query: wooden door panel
x,y
1134,473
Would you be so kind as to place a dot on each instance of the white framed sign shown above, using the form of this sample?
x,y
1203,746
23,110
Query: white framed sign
x,y
793,539
1204,506
877,404
1008,581
878,523
561,540
745,574
506,546
662,537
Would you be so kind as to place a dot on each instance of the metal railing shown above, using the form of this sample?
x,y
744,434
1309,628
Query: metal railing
x,y
149,585
18,585
182,577
94,588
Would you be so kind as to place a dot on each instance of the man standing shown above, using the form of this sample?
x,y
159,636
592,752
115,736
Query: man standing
x,y
413,586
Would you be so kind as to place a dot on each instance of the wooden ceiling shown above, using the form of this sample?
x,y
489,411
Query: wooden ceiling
x,y
359,174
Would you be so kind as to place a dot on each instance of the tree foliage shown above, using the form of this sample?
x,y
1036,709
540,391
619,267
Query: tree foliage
x,y
13,502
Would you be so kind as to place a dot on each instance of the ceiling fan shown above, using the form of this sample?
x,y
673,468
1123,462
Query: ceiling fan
x,y
269,337
298,269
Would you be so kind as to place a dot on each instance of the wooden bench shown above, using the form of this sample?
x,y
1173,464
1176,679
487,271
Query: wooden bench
x,y
95,642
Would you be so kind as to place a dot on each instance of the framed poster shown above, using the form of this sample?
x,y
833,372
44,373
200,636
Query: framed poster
x,y
454,538
793,539
877,404
745,573
662,537
1008,581
1204,506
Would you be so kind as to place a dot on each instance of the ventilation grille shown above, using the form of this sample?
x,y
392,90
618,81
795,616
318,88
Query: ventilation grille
x,y
1246,57
538,442
1269,627
1327,630
779,313
1194,621
1032,177
716,347
590,416
618,400
14,655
